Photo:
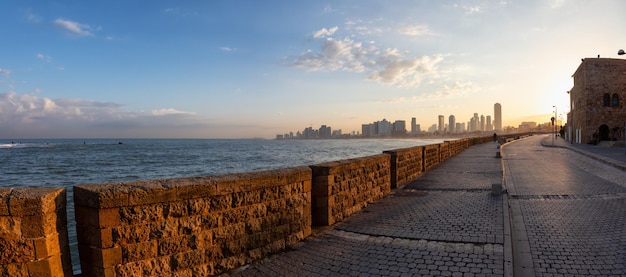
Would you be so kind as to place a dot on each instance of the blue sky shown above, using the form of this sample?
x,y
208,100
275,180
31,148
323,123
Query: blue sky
x,y
240,69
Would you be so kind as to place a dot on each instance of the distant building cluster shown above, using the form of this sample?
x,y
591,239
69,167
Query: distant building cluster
x,y
324,132
474,124
398,128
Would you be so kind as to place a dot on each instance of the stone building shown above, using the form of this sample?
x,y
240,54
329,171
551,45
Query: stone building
x,y
598,112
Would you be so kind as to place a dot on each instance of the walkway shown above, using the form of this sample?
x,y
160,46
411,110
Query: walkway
x,y
567,212
445,223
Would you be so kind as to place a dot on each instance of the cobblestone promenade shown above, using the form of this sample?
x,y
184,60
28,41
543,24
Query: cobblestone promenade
x,y
565,221
568,211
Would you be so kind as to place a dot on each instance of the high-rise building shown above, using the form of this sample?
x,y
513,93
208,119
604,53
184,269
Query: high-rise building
x,y
384,128
442,123
489,125
413,126
399,128
325,131
482,123
497,117
476,124
452,124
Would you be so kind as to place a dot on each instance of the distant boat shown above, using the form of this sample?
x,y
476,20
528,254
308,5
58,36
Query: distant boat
x,y
120,142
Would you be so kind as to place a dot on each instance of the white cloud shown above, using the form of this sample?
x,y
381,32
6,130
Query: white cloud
x,y
415,30
228,49
44,57
388,67
169,111
29,115
484,6
5,71
74,28
325,32
402,72
27,110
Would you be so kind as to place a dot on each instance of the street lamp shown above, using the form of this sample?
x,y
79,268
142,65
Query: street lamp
x,y
554,125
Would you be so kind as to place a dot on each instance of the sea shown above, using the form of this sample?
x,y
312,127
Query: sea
x,y
68,162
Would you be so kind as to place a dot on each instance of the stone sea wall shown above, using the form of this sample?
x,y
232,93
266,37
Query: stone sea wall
x,y
198,226
33,232
191,226
344,187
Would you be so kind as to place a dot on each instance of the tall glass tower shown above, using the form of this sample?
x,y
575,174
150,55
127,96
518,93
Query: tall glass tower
x,y
497,117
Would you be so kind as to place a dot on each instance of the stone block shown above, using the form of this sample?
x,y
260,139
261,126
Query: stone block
x,y
139,251
129,234
188,259
193,187
41,225
135,214
94,236
94,257
36,201
199,206
100,218
16,249
150,192
46,247
202,240
169,246
165,229
102,195
160,266
14,270
51,266
5,194
10,225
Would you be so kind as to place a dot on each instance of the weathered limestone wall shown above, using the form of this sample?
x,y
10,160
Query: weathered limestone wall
x,y
444,151
456,146
431,156
344,187
192,226
33,232
406,165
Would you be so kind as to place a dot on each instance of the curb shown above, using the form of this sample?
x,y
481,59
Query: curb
x,y
597,157
517,257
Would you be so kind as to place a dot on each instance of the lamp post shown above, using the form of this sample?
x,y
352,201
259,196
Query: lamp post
x,y
554,125
621,52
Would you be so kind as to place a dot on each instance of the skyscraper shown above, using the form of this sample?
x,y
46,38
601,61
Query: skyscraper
x,y
497,117
489,124
451,124
482,123
441,128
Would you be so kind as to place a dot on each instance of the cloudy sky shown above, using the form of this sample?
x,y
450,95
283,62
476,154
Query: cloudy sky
x,y
240,69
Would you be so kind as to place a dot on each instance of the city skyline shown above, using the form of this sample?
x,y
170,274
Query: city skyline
x,y
398,128
244,69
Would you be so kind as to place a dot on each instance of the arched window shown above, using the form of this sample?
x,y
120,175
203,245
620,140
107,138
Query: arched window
x,y
615,100
607,100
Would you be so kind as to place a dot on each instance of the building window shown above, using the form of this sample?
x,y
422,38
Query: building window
x,y
607,100
615,100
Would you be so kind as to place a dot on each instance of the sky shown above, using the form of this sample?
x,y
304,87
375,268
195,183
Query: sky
x,y
255,69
